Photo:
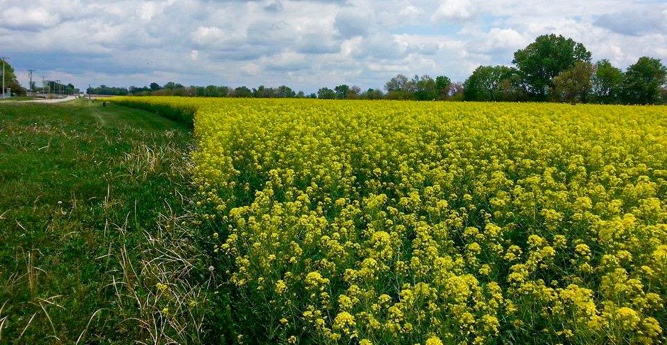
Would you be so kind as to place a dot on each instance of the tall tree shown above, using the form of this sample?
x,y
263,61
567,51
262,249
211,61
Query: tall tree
x,y
607,83
643,81
173,86
10,79
242,92
491,83
574,84
442,85
424,88
326,93
544,59
397,83
354,92
212,91
285,92
342,91
261,92
372,94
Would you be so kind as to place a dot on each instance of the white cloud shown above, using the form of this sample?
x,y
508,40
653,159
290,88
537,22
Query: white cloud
x,y
28,18
310,43
497,40
456,10
208,35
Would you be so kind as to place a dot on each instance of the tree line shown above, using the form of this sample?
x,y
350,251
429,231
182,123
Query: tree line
x,y
555,68
419,88
551,69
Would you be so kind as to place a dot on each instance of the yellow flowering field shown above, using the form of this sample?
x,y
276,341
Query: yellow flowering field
x,y
361,222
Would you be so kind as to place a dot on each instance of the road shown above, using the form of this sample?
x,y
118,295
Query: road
x,y
55,100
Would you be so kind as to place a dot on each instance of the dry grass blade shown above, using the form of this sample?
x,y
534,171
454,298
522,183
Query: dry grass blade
x,y
48,317
26,326
78,340
3,319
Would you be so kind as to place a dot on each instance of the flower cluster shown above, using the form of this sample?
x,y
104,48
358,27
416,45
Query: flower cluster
x,y
438,223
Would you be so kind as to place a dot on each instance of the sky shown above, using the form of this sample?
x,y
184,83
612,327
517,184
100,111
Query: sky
x,y
307,44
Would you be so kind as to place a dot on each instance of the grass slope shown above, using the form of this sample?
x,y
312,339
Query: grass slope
x,y
95,244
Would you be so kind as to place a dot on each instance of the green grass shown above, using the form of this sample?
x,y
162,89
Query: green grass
x,y
14,99
93,215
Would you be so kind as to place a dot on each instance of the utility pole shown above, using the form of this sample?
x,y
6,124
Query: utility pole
x,y
44,85
4,58
30,71
57,87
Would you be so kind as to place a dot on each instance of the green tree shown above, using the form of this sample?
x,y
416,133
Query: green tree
x,y
399,88
262,92
574,84
424,88
342,91
607,83
491,83
354,92
242,92
326,93
173,86
10,79
442,85
643,81
541,61
285,92
372,94
397,83
211,91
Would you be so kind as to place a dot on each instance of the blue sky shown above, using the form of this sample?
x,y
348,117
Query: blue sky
x,y
307,44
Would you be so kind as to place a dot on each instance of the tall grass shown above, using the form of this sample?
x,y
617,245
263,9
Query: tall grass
x,y
99,245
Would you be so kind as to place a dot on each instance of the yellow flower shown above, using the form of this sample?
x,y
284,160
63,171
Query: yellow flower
x,y
344,321
314,279
161,287
628,318
490,324
433,340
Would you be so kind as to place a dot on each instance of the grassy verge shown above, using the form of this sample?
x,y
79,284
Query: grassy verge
x,y
182,114
97,244
14,99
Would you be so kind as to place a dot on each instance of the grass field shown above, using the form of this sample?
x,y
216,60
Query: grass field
x,y
95,246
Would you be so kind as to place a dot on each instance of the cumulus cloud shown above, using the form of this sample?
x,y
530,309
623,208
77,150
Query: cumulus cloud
x,y
307,44
456,10
28,18
498,40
